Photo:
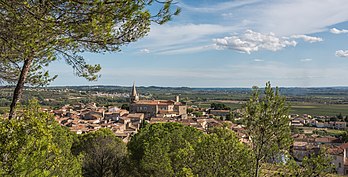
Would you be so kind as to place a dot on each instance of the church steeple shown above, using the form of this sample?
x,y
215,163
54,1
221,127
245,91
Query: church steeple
x,y
134,96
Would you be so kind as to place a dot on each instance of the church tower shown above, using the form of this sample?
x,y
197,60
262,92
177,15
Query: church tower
x,y
134,96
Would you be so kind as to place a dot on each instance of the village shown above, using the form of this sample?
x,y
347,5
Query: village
x,y
310,134
81,118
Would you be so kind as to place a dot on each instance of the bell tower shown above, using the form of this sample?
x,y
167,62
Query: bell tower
x,y
134,96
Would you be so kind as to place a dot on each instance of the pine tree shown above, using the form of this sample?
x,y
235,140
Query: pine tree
x,y
267,124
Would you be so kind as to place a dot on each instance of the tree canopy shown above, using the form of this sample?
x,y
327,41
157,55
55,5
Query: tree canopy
x,y
219,106
36,146
34,33
169,147
179,150
220,153
104,155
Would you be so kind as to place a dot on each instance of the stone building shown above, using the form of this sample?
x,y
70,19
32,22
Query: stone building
x,y
339,159
156,108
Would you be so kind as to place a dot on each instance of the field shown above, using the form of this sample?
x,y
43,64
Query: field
x,y
296,108
319,109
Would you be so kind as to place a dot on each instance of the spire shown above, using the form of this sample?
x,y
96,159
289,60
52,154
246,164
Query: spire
x,y
134,90
134,96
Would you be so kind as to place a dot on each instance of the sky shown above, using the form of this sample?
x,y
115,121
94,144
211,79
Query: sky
x,y
232,43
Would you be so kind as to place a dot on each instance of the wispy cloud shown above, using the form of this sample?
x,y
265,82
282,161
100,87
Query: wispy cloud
x,y
310,39
306,60
306,17
227,15
190,34
342,53
208,8
145,50
258,60
337,31
186,50
182,37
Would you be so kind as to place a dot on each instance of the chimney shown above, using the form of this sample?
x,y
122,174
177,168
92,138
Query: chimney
x,y
177,99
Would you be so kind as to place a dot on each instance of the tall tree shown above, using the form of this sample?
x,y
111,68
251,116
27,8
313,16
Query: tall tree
x,y
267,124
33,33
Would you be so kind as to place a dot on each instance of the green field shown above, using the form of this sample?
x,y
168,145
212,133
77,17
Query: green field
x,y
319,109
297,108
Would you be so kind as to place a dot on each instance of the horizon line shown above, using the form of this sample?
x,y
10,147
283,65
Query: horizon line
x,y
194,87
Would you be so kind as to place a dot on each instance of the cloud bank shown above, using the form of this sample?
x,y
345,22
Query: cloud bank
x,y
252,41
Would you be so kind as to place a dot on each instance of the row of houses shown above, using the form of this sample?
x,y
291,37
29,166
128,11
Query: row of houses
x,y
303,121
83,119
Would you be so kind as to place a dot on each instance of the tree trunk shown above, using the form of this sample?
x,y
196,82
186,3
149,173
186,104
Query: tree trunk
x,y
257,169
19,87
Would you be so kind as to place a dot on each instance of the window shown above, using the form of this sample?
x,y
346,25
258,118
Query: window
x,y
339,165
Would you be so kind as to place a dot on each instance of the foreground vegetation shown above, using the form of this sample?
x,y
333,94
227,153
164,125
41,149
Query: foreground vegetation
x,y
35,145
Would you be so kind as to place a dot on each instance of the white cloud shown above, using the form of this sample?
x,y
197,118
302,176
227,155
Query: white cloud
x,y
258,60
252,41
306,60
145,50
307,38
337,31
342,53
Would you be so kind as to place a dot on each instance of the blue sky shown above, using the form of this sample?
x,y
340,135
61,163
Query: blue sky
x,y
233,43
